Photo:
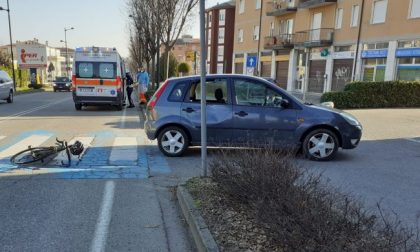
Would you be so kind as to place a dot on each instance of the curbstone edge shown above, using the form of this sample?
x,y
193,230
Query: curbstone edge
x,y
203,239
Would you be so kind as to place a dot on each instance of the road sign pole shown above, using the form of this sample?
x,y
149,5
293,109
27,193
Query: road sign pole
x,y
203,91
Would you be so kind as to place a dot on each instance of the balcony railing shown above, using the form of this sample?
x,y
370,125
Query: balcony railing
x,y
315,3
278,8
314,38
282,41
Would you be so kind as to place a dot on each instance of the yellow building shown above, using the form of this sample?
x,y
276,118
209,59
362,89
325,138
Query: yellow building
x,y
320,45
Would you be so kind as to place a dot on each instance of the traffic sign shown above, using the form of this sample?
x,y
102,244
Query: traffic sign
x,y
190,55
251,61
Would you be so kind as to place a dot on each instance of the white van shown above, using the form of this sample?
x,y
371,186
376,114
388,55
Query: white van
x,y
6,87
98,77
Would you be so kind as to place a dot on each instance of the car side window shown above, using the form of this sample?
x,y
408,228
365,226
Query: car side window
x,y
216,91
250,93
178,92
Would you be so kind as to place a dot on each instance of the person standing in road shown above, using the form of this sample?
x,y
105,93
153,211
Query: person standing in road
x,y
143,81
130,84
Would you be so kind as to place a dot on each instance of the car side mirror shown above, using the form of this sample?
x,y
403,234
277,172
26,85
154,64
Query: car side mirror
x,y
285,103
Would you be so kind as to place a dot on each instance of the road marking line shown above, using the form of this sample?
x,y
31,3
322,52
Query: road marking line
x,y
412,140
123,149
102,225
34,141
62,156
122,125
32,110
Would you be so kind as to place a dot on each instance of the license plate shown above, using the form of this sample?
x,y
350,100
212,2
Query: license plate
x,y
89,90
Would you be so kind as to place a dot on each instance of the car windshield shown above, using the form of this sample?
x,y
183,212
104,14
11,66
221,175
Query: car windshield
x,y
63,79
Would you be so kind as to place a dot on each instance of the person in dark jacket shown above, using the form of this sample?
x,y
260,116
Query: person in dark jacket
x,y
129,83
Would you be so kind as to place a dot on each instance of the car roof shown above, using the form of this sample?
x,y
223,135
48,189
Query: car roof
x,y
220,76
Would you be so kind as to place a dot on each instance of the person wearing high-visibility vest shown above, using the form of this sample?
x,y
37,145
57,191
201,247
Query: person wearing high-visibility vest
x,y
143,81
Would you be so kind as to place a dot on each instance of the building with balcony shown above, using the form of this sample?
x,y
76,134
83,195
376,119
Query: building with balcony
x,y
220,24
321,45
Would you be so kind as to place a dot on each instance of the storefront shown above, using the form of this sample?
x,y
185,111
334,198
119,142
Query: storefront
x,y
374,64
408,64
317,66
282,69
342,69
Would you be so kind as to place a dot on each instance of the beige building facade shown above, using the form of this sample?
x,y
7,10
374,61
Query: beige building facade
x,y
320,45
184,50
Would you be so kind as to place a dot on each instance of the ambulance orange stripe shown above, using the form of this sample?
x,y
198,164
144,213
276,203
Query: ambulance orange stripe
x,y
95,82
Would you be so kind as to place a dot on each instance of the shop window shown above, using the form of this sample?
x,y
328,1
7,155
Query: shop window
x,y
405,61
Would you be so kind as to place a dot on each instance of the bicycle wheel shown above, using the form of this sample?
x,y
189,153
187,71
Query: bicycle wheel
x,y
31,155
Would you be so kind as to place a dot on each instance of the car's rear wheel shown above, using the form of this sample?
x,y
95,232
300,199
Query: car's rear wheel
x,y
78,106
173,141
10,98
320,145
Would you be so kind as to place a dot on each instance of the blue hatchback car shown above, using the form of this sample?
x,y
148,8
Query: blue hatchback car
x,y
244,110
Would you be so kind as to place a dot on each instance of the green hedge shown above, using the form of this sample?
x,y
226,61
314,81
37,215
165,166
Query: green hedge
x,y
387,94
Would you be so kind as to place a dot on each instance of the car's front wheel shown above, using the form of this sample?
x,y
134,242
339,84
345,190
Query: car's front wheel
x,y
320,145
173,141
10,98
78,106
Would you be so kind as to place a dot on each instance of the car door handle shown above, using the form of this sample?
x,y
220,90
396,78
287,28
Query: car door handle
x,y
241,113
188,110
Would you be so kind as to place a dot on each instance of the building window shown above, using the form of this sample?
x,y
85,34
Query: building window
x,y
241,6
408,69
380,45
271,33
221,35
209,36
415,9
354,16
241,36
379,11
338,18
409,44
256,35
222,16
220,53
210,19
286,26
257,4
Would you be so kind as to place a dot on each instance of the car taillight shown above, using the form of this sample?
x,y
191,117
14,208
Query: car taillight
x,y
156,96
73,83
118,82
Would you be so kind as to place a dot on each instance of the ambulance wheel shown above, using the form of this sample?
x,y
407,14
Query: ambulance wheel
x,y
78,106
119,107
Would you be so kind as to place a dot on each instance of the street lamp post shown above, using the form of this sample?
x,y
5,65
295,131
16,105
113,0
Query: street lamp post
x,y
11,45
67,51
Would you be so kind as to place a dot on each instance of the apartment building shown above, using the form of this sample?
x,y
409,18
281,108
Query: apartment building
x,y
320,45
220,25
184,50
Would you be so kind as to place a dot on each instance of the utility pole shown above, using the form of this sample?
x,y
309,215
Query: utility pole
x,y
259,42
203,90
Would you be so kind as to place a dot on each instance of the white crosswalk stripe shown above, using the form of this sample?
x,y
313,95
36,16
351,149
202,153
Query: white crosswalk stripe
x,y
2,137
123,149
62,156
33,140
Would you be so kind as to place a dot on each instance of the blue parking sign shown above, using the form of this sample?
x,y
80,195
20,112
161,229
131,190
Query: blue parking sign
x,y
251,61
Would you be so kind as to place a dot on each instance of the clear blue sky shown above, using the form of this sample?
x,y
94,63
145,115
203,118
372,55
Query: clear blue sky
x,y
96,22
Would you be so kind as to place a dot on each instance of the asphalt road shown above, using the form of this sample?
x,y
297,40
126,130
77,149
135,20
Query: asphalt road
x,y
106,202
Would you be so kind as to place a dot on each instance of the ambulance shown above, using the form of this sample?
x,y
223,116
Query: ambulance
x,y
98,77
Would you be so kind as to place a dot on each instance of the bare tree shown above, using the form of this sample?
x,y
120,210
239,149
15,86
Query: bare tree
x,y
143,46
174,15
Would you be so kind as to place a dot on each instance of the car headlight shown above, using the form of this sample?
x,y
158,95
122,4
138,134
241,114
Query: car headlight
x,y
67,84
54,84
350,119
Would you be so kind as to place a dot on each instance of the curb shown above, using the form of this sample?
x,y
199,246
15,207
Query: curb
x,y
203,239
30,92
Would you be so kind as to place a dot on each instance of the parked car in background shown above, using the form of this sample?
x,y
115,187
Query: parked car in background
x,y
245,110
6,87
62,83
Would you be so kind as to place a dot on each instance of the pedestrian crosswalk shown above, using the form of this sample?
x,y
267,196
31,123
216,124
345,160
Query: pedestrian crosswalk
x,y
106,156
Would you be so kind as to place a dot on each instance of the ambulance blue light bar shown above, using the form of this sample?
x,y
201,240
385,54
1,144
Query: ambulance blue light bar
x,y
94,49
